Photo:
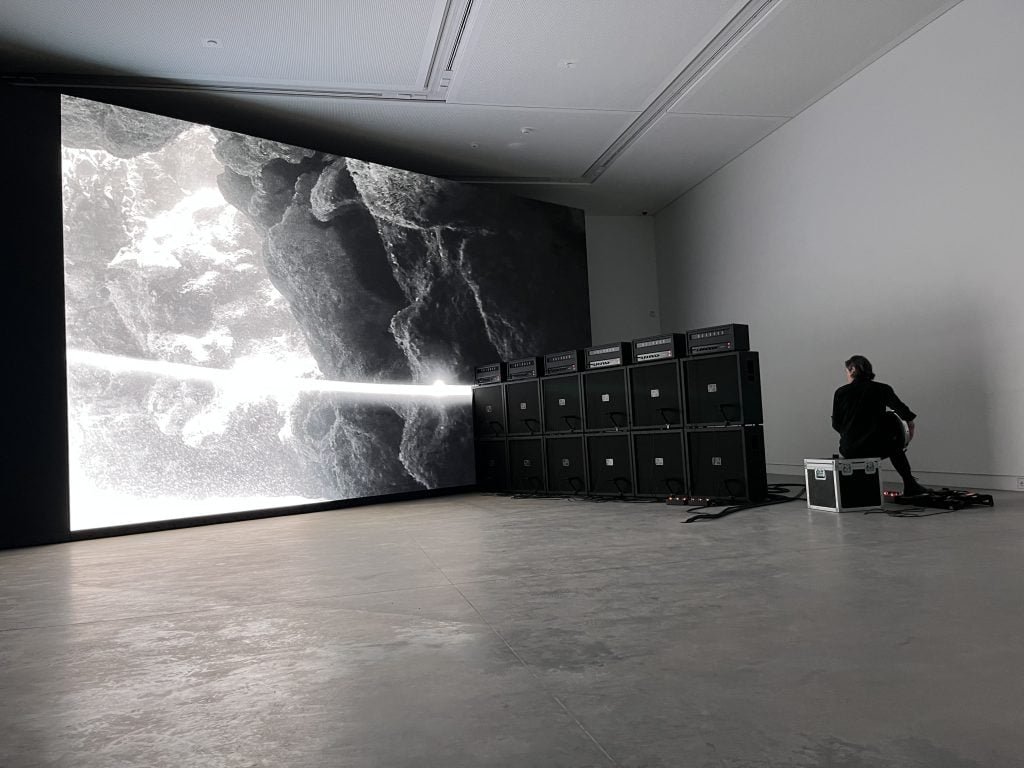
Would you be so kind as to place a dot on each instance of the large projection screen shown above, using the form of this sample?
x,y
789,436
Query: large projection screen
x,y
253,325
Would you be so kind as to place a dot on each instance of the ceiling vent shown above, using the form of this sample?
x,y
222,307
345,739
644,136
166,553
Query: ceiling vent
x,y
740,25
446,52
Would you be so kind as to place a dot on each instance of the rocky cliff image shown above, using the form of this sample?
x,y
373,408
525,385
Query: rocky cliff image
x,y
218,286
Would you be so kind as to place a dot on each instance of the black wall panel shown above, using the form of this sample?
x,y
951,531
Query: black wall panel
x,y
35,476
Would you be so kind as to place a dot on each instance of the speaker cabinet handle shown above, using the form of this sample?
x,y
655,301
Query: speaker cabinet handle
x,y
527,422
615,422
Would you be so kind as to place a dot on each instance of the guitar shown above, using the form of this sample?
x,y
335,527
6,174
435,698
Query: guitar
x,y
900,428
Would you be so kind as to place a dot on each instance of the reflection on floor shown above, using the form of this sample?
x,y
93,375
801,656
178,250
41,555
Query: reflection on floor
x,y
485,631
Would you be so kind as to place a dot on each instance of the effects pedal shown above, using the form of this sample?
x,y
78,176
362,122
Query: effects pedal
x,y
698,501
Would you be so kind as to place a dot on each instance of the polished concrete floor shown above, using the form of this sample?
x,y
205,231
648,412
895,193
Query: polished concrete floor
x,y
485,631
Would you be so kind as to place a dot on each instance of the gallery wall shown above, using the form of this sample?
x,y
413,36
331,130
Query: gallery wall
x,y
622,273
885,220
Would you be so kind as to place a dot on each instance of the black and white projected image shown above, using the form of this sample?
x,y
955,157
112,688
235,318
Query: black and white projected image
x,y
253,325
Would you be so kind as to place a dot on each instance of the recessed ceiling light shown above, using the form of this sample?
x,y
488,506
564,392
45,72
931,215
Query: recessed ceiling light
x,y
211,42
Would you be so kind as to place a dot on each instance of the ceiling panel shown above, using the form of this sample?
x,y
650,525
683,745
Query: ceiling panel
x,y
676,154
436,138
680,151
800,51
328,43
581,54
542,88
593,201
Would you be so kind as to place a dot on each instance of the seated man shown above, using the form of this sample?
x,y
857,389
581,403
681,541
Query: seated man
x,y
859,416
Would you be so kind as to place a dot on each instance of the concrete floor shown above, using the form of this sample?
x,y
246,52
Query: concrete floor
x,y
485,631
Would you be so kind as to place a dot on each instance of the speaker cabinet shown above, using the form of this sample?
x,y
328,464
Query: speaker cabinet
x,y
526,464
727,463
654,395
606,406
660,468
566,465
492,465
563,407
610,465
723,389
489,411
522,404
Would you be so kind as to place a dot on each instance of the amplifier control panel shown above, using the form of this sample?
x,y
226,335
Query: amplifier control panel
x,y
720,338
608,355
666,346
570,361
524,368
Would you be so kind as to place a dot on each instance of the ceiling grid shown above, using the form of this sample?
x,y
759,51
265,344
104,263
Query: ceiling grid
x,y
610,105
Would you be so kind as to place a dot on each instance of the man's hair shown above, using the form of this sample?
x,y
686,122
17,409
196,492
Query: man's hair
x,y
861,367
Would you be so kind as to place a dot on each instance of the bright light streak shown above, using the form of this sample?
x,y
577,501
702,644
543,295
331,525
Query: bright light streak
x,y
266,381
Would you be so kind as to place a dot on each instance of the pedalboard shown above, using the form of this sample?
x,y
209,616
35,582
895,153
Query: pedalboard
x,y
608,355
719,338
945,498
700,501
666,346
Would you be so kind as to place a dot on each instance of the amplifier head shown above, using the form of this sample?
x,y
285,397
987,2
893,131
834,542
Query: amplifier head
x,y
718,338
569,361
492,373
524,368
664,346
608,355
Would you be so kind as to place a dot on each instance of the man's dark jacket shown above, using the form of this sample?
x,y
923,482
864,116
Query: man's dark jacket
x,y
858,415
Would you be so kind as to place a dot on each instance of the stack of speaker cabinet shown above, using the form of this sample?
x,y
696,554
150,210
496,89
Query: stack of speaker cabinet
x,y
679,425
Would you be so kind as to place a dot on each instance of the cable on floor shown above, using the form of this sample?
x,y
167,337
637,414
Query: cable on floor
x,y
772,500
910,512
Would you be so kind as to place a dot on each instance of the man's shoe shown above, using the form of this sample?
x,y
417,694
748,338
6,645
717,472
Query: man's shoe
x,y
914,488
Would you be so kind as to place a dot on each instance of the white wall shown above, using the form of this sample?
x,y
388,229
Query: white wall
x,y
622,274
886,220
